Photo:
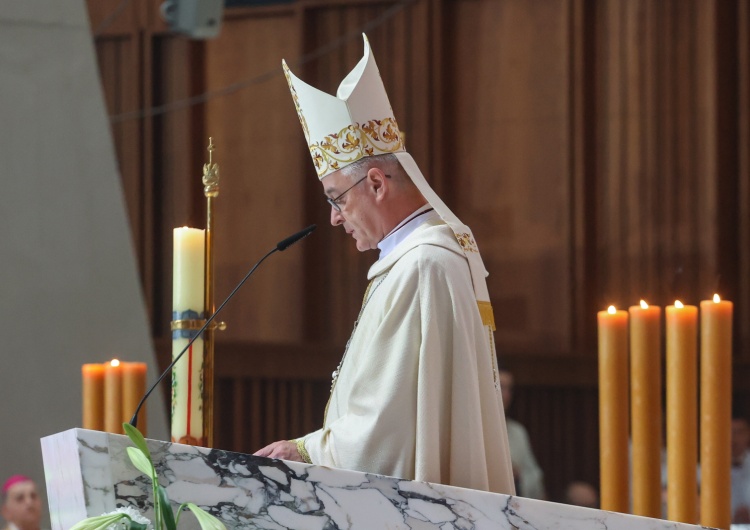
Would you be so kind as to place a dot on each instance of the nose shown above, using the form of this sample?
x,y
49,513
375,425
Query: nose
x,y
336,217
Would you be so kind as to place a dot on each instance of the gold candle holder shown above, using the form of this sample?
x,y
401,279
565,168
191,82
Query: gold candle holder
x,y
211,191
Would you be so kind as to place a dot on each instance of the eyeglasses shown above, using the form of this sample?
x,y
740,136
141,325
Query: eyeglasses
x,y
335,201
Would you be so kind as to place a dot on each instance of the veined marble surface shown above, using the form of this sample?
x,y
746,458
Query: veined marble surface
x,y
89,473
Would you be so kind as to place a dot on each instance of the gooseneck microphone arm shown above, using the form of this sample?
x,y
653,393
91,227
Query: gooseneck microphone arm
x,y
280,246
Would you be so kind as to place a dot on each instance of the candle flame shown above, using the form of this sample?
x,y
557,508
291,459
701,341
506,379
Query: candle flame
x,y
644,305
678,304
611,310
114,362
717,299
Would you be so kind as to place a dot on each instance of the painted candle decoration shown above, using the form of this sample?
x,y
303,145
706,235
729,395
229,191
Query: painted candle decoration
x,y
188,304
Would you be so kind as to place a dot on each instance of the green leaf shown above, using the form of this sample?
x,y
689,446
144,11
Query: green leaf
x,y
137,438
205,519
137,526
99,522
166,508
141,462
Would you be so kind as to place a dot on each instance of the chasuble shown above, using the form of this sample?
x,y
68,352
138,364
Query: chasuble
x,y
416,395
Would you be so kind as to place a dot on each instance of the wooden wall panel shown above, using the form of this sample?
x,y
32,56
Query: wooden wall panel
x,y
743,191
657,192
509,159
262,178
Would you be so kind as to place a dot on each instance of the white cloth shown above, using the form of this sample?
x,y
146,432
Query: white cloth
x,y
529,475
406,227
417,396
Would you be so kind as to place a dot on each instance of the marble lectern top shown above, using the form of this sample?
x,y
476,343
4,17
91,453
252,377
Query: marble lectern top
x,y
89,473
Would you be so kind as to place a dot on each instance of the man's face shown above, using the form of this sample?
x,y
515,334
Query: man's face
x,y
358,209
22,505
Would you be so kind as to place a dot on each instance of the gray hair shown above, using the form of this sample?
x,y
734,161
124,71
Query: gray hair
x,y
388,163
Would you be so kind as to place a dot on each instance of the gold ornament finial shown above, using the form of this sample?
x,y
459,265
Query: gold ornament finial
x,y
210,173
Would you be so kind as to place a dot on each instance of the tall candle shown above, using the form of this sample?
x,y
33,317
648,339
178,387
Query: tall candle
x,y
716,413
682,409
613,409
113,397
187,303
645,403
93,396
133,389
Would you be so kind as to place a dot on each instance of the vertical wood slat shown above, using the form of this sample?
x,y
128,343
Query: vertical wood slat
x,y
743,238
256,417
307,401
239,422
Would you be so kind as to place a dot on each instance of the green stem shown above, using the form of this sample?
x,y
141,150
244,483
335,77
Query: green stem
x,y
157,504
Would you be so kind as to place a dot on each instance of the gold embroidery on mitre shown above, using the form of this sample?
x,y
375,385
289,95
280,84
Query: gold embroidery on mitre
x,y
296,103
353,142
487,314
467,242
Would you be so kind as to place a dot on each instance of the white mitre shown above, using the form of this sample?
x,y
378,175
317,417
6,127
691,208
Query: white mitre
x,y
358,122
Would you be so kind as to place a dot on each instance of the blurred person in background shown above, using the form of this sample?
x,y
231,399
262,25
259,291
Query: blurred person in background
x,y
21,506
527,474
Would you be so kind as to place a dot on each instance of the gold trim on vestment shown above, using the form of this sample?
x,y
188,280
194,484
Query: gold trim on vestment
x,y
302,451
488,316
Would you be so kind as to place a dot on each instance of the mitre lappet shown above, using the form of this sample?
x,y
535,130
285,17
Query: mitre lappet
x,y
358,122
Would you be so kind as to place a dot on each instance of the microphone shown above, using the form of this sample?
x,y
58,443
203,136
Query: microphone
x,y
280,246
291,240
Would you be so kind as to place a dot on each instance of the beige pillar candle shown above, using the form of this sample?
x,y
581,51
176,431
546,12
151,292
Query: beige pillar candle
x,y
613,409
113,397
93,396
682,412
716,412
187,303
645,403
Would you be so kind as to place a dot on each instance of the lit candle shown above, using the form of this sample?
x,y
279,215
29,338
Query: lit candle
x,y
187,303
613,409
716,413
93,396
645,402
113,397
133,388
682,409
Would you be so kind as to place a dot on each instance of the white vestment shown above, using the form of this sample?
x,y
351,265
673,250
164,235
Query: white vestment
x,y
417,395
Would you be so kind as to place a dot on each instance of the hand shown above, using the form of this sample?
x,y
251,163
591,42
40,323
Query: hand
x,y
282,449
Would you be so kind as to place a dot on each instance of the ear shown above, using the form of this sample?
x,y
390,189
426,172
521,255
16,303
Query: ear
x,y
378,183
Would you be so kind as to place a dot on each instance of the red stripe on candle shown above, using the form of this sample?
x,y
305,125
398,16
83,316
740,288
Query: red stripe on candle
x,y
189,388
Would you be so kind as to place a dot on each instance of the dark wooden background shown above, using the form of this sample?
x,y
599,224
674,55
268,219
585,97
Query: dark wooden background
x,y
599,149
